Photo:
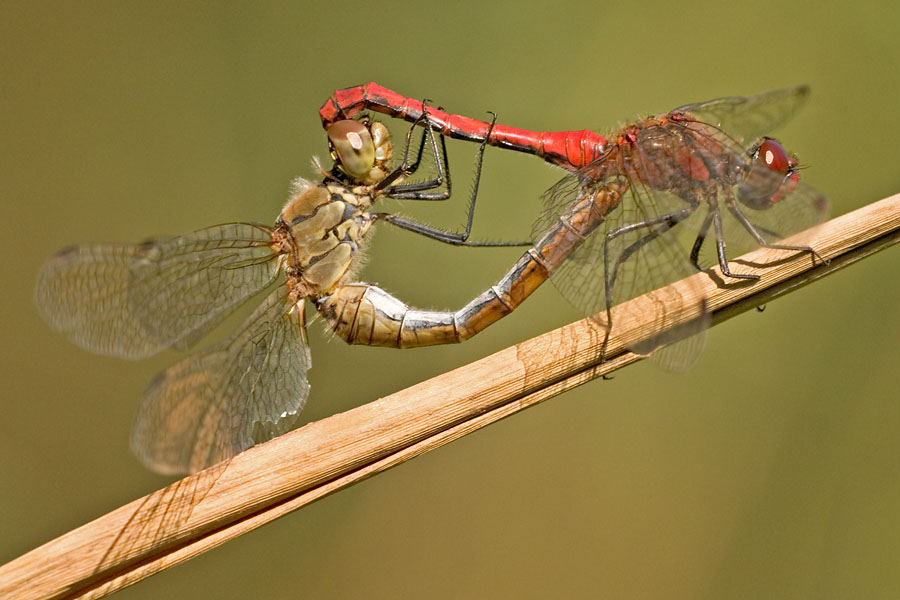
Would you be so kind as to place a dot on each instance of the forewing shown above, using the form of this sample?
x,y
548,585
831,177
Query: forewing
x,y
747,118
135,300
217,403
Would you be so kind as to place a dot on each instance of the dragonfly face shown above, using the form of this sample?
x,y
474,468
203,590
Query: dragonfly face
x,y
771,175
361,150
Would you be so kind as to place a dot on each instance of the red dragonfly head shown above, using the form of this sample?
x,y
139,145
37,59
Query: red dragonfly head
x,y
771,175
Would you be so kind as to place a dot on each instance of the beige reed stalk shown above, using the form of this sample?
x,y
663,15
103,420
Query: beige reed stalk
x,y
204,510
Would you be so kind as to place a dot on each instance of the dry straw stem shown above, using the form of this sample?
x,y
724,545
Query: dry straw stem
x,y
204,510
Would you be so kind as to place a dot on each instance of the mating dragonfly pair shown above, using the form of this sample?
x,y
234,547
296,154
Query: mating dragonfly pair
x,y
619,225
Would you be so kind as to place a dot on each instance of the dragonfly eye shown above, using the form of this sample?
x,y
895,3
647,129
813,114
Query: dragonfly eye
x,y
771,175
353,148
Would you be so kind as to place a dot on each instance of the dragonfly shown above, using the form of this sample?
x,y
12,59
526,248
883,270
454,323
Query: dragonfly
x,y
643,201
135,300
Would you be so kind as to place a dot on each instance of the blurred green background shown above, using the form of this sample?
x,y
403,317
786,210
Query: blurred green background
x,y
769,470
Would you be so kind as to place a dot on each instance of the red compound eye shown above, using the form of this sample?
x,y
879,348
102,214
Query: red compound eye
x,y
773,155
770,176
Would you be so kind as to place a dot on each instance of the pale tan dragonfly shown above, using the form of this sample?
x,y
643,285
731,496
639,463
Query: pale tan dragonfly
x,y
134,300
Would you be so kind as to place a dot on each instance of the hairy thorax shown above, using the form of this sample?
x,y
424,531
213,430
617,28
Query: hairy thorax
x,y
320,231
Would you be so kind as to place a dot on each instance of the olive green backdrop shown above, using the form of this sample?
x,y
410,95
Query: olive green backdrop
x,y
768,471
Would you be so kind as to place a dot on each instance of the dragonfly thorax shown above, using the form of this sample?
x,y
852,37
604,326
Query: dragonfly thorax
x,y
320,231
679,155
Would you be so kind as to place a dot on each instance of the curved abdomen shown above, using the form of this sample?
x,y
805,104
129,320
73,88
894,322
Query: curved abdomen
x,y
362,313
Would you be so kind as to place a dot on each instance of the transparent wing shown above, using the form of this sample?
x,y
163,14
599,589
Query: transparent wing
x,y
635,251
797,206
135,300
747,118
800,209
217,403
646,242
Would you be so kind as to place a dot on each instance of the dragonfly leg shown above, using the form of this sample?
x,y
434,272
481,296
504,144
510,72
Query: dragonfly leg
x,y
667,222
364,314
419,190
656,227
754,231
698,241
449,237
720,247
406,168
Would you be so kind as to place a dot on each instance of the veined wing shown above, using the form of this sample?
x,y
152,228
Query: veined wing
x,y
747,118
646,242
799,209
635,251
790,206
219,402
133,300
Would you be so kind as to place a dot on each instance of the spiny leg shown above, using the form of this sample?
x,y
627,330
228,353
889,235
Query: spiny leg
x,y
657,226
753,230
405,169
698,241
448,237
720,247
418,190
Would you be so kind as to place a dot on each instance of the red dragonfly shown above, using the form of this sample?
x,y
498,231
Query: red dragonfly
x,y
652,177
